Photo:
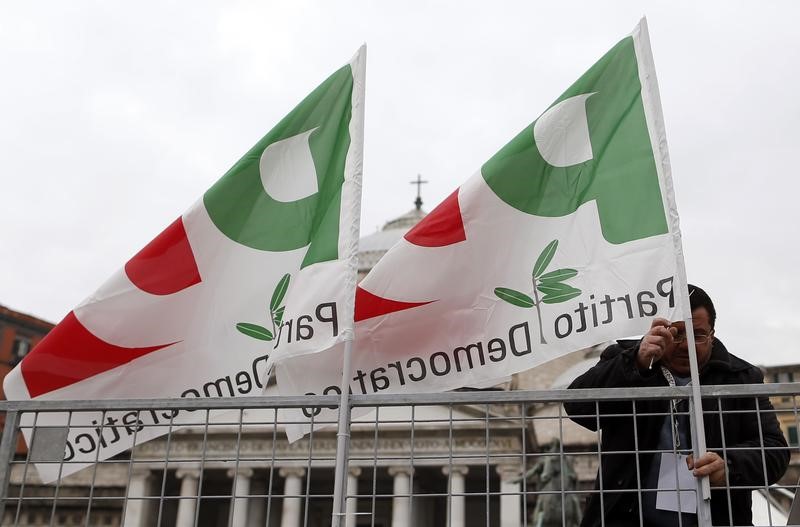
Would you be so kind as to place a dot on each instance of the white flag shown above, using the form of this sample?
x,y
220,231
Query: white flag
x,y
566,238
263,263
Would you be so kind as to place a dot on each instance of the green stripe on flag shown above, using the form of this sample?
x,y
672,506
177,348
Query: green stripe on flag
x,y
240,207
621,174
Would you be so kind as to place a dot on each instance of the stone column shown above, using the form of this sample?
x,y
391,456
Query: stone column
x,y
457,503
510,501
257,509
136,508
188,503
241,489
292,489
351,507
401,504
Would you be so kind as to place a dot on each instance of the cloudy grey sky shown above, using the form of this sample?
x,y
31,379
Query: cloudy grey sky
x,y
115,117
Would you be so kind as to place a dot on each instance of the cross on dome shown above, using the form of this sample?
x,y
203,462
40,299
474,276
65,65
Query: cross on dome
x,y
418,182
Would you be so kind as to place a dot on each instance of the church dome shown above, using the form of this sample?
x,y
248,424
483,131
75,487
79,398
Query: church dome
x,y
407,220
373,246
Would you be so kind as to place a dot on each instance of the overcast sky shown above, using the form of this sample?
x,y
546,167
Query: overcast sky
x,y
115,117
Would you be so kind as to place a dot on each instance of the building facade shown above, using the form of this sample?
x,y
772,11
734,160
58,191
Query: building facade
x,y
462,464
19,333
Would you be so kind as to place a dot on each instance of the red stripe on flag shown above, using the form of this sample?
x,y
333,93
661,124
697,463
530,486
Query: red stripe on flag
x,y
370,306
443,226
71,353
166,265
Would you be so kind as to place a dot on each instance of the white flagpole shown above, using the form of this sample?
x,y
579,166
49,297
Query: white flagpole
x,y
342,441
696,407
651,100
358,66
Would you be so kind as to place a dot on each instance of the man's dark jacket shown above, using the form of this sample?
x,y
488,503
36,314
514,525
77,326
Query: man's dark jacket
x,y
617,368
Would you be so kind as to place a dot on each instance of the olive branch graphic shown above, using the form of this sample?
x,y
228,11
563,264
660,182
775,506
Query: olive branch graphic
x,y
275,314
551,285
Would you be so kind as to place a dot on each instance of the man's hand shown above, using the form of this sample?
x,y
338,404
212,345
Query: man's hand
x,y
710,465
658,340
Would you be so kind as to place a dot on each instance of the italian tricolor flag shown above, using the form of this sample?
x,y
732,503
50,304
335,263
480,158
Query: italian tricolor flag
x,y
567,237
201,309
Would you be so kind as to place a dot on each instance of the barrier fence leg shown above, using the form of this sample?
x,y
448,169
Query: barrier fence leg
x,y
8,445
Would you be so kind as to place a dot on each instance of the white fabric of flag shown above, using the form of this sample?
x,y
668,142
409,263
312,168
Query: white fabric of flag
x,y
263,264
567,237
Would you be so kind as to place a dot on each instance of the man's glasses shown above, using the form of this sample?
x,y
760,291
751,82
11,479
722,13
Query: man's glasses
x,y
700,337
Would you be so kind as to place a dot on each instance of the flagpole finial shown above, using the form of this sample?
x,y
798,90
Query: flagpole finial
x,y
418,182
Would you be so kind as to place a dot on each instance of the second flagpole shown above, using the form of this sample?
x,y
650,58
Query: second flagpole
x,y
343,428
342,441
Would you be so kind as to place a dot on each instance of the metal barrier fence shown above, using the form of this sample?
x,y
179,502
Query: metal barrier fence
x,y
459,459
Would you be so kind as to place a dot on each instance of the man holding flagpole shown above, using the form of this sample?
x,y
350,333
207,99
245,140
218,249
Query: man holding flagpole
x,y
745,448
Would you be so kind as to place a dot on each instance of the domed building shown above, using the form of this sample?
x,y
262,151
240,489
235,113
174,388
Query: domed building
x,y
425,465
